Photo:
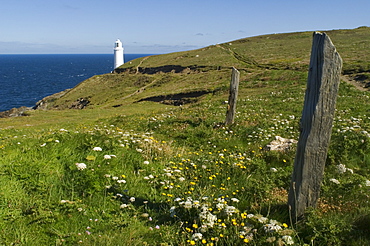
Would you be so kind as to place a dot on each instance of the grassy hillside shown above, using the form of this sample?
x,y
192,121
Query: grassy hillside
x,y
135,168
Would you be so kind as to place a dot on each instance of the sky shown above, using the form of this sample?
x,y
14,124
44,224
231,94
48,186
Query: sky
x,y
162,26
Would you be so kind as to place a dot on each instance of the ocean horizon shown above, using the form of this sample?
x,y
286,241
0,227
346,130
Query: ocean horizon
x,y
27,78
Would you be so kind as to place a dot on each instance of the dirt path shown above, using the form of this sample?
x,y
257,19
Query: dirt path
x,y
141,62
356,84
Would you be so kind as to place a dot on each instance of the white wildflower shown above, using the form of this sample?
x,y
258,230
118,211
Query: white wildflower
x,y
80,166
335,181
341,168
132,199
234,199
107,157
146,162
197,236
121,181
188,204
367,182
115,178
42,145
181,179
97,149
139,150
274,170
230,210
288,240
123,206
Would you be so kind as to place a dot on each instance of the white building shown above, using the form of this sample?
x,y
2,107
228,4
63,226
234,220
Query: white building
x,y
118,54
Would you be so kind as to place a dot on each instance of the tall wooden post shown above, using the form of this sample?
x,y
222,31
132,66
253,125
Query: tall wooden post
x,y
233,96
316,124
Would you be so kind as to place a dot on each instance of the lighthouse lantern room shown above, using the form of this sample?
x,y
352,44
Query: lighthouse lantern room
x,y
118,54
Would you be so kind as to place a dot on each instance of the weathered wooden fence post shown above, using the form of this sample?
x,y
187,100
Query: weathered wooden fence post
x,y
233,96
316,124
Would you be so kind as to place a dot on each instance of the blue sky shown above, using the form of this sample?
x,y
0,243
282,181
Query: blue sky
x,y
162,26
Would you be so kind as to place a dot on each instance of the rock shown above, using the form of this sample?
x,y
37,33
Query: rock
x,y
80,103
15,112
280,144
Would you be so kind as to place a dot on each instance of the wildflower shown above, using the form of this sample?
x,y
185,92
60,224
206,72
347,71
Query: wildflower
x,y
146,162
181,179
234,199
197,236
335,181
115,178
97,149
229,210
367,182
121,181
274,170
188,204
80,166
132,199
288,240
42,145
63,201
341,168
123,205
157,227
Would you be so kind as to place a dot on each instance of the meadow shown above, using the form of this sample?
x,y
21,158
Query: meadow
x,y
147,173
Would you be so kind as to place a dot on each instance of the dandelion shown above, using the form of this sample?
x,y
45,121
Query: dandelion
x,y
80,166
97,149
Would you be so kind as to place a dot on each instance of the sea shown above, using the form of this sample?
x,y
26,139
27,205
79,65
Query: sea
x,y
26,79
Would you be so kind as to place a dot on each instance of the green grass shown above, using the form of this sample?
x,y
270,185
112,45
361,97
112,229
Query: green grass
x,y
165,174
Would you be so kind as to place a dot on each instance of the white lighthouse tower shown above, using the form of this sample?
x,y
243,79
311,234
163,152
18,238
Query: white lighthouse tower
x,y
118,54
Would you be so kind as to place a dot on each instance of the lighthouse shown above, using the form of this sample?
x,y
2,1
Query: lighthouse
x,y
118,54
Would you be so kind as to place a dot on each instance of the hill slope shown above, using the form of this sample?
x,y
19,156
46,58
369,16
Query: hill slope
x,y
182,77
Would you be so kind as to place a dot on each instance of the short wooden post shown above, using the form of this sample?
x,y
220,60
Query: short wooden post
x,y
316,124
233,96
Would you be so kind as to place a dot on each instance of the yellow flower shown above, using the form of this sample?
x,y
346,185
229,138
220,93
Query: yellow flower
x,y
285,225
195,226
221,235
204,241
246,240
192,242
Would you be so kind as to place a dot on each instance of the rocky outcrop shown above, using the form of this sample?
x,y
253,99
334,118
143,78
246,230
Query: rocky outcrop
x,y
15,112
